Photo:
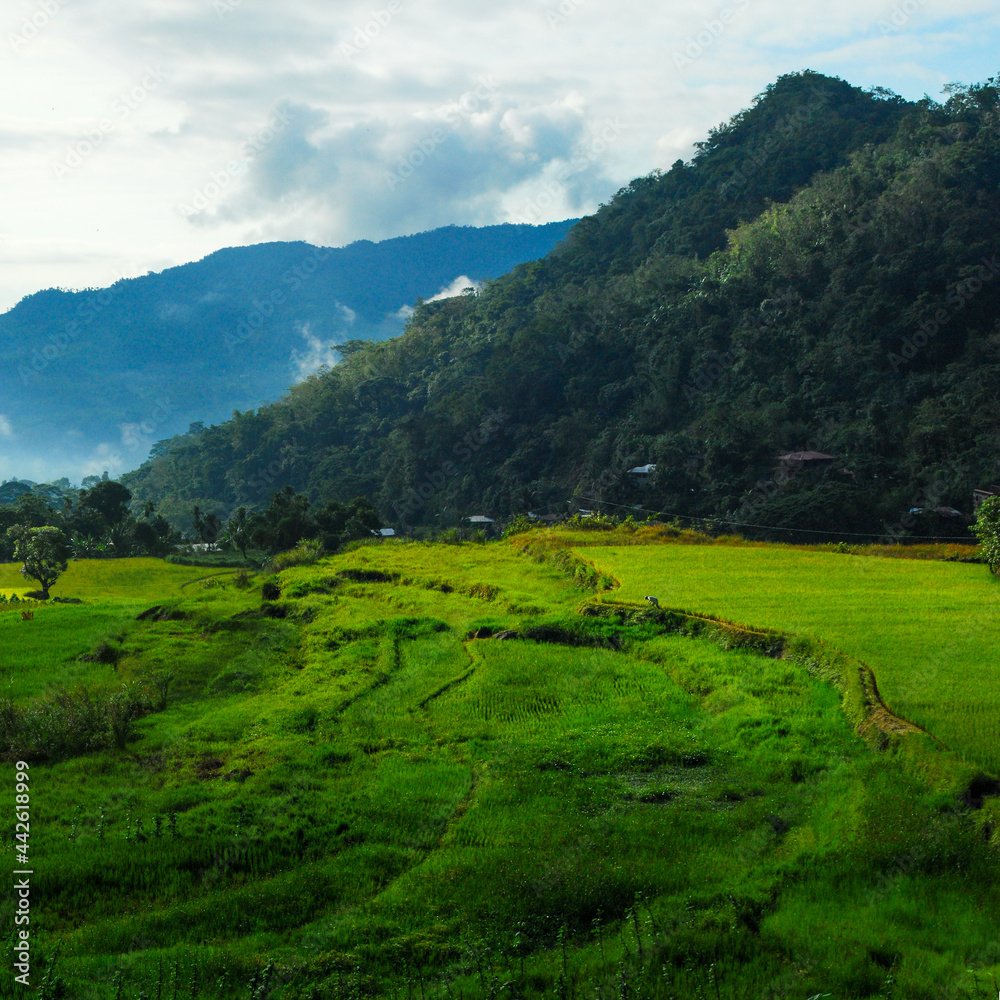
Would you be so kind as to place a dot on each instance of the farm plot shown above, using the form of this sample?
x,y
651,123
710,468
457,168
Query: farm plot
x,y
929,630
357,787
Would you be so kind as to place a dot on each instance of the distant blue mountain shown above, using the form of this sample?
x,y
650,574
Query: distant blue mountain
x,y
91,379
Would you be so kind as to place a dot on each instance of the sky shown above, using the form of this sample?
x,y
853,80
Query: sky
x,y
139,136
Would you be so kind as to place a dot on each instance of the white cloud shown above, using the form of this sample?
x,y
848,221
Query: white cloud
x,y
317,354
105,457
457,287
557,81
6,431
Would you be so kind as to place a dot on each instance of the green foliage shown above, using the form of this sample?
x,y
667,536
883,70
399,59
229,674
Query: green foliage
x,y
290,519
790,271
43,551
96,519
244,307
241,529
987,529
519,525
68,723
926,628
304,554
106,502
207,527
339,524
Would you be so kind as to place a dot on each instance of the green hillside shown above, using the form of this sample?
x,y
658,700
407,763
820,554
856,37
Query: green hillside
x,y
447,770
124,366
819,277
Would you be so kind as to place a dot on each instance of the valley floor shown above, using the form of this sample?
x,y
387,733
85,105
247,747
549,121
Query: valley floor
x,y
449,770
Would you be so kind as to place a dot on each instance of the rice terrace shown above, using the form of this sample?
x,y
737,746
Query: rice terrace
x,y
497,769
473,529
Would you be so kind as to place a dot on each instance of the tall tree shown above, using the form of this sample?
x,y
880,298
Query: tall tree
x,y
241,529
108,500
44,551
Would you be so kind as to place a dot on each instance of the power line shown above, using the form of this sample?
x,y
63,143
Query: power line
x,y
768,527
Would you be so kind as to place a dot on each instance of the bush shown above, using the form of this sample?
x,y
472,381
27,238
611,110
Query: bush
x,y
597,521
104,653
521,524
217,560
987,528
305,553
71,722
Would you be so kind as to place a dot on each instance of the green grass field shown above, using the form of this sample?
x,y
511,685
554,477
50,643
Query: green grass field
x,y
356,791
43,653
929,630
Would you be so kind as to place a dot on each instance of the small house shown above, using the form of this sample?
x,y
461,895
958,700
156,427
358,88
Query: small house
x,y
978,496
948,512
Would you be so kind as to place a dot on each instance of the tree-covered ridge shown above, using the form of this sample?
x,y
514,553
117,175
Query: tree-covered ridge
x,y
101,374
821,276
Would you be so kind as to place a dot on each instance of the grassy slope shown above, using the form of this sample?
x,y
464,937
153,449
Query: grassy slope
x,y
927,629
42,653
360,790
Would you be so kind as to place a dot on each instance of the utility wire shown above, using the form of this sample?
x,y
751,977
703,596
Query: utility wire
x,y
768,527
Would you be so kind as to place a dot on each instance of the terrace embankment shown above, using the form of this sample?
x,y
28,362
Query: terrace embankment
x,y
880,725
873,718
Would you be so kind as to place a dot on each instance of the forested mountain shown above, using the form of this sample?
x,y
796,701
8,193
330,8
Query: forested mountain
x,y
91,379
822,276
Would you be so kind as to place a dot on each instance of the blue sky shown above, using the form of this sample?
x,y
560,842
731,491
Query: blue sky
x,y
140,136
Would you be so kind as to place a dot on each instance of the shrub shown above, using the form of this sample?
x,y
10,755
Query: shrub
x,y
596,521
987,528
71,722
521,524
305,553
104,653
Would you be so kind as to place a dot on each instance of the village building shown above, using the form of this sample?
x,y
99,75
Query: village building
x,y
978,496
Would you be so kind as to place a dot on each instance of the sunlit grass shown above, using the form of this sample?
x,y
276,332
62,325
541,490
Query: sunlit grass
x,y
927,629
347,781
